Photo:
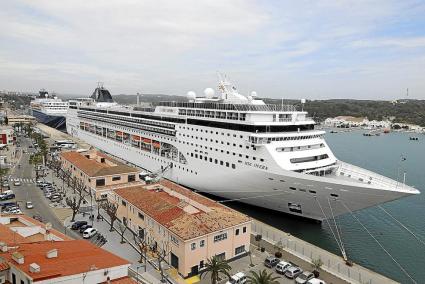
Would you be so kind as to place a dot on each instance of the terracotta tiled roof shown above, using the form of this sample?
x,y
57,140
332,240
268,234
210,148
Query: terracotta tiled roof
x,y
176,214
94,168
74,257
10,237
4,266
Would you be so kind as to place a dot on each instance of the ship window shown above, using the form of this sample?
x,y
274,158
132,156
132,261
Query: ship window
x,y
233,166
302,189
312,191
262,160
334,195
293,188
210,160
282,180
216,161
221,163
200,157
271,179
227,164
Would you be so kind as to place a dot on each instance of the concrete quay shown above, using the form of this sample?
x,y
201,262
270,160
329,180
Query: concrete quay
x,y
334,270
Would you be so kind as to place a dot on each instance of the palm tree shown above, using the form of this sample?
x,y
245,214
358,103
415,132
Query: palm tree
x,y
262,278
215,266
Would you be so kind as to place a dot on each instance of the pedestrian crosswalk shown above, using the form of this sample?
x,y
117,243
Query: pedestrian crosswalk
x,y
22,180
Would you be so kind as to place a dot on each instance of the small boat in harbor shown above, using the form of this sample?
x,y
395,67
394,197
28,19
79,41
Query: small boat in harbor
x,y
413,138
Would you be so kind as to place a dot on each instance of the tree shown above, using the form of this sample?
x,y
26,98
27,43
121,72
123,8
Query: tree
x,y
262,278
278,246
122,228
216,267
74,201
141,240
110,209
3,172
161,253
258,239
316,264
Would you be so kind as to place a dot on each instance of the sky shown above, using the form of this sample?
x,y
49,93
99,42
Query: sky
x,y
280,49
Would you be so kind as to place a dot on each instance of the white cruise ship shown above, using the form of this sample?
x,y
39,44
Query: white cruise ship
x,y
234,147
49,110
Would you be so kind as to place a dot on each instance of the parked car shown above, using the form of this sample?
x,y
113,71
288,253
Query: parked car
x,y
56,198
90,232
304,277
37,217
4,205
17,183
282,266
54,195
85,227
316,281
271,261
238,278
293,272
78,224
29,205
7,196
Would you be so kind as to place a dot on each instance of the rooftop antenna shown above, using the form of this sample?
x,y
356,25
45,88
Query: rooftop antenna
x,y
100,85
138,100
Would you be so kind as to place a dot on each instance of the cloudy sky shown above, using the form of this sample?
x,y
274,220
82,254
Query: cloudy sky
x,y
282,49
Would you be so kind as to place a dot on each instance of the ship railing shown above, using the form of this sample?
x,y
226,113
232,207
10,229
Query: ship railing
x,y
231,106
366,176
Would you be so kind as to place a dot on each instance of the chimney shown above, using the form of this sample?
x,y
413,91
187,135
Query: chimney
x,y
53,253
34,268
18,257
3,247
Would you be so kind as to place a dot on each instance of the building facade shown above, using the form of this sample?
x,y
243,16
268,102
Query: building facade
x,y
188,227
6,135
99,172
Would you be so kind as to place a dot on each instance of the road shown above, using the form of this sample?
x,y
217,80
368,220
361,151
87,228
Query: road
x,y
29,191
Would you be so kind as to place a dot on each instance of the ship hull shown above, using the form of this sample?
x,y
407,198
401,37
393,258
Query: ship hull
x,y
54,121
285,191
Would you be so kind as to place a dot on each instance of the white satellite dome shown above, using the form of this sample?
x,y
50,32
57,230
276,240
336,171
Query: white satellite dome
x,y
191,95
209,93
253,94
250,98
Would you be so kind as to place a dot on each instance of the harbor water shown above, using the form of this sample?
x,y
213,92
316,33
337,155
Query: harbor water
x,y
391,155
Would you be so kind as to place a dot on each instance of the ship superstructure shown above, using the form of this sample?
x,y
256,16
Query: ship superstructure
x,y
49,110
236,147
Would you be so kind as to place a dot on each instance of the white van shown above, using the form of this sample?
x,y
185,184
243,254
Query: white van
x,y
316,281
238,278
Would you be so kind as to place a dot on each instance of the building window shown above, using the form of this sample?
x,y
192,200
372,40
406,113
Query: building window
x,y
123,203
239,250
174,240
220,237
244,230
193,246
202,243
116,178
131,178
237,232
141,216
100,182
